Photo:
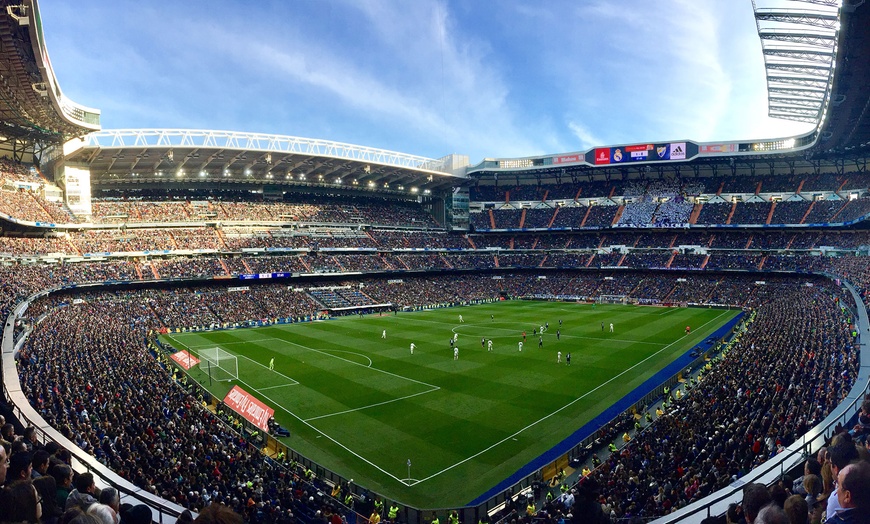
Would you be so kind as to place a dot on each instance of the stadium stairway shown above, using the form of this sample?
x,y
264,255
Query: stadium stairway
x,y
470,242
731,214
41,206
800,187
758,188
491,219
673,241
523,218
154,271
769,213
618,215
809,210
704,263
552,218
749,242
763,260
668,265
839,211
247,267
224,266
841,186
174,242
72,246
583,222
223,239
696,211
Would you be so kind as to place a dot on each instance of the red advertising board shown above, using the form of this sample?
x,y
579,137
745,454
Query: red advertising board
x,y
567,159
185,359
718,148
602,156
641,147
250,408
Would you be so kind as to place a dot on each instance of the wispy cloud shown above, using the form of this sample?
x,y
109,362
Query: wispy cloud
x,y
517,78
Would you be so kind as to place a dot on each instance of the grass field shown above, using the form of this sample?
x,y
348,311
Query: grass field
x,y
363,406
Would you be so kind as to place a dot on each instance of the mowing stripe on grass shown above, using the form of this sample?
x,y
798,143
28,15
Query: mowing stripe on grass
x,y
596,388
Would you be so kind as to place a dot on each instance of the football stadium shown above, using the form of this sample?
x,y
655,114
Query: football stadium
x,y
233,326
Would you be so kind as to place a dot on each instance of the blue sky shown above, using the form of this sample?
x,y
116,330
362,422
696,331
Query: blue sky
x,y
505,78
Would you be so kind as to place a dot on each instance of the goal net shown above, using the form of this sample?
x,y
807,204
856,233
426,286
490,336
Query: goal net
x,y
219,364
613,299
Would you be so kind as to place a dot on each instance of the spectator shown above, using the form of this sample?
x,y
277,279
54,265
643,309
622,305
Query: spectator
x,y
853,494
841,453
755,497
19,502
63,476
83,494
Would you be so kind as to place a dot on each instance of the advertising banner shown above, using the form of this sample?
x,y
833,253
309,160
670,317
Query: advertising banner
x,y
185,359
678,151
568,159
249,407
602,156
711,149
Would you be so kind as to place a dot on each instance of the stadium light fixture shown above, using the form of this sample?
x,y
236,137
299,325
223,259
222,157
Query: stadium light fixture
x,y
426,192
202,174
414,190
371,184
180,173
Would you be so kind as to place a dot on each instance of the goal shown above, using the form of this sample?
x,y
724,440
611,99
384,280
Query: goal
x,y
219,364
613,299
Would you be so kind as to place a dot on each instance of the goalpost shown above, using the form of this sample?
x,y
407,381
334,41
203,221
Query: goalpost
x,y
613,299
220,365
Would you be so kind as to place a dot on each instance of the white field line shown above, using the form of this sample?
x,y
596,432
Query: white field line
x,y
371,405
276,387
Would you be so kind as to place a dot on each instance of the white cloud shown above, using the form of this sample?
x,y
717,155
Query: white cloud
x,y
586,137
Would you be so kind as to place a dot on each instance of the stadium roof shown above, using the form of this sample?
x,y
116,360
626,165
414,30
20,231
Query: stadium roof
x,y
847,126
120,158
32,105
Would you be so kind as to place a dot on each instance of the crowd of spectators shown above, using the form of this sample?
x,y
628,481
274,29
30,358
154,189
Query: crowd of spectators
x,y
135,210
751,213
741,413
790,212
715,213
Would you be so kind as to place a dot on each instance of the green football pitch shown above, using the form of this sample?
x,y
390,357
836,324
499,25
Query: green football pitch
x,y
363,405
